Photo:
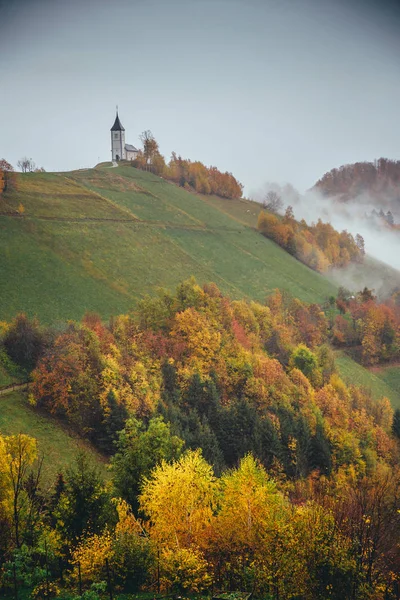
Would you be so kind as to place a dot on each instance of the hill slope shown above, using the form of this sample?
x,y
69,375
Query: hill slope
x,y
56,444
100,239
378,382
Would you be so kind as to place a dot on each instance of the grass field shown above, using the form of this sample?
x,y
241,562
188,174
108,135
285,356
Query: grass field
x,y
5,378
385,383
390,376
100,239
56,444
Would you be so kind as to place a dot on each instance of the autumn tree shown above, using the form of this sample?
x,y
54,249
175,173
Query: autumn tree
x,y
179,500
150,145
251,512
21,453
7,176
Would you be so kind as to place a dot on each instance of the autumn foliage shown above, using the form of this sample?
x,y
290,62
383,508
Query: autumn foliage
x,y
7,176
378,179
241,459
185,173
368,328
319,245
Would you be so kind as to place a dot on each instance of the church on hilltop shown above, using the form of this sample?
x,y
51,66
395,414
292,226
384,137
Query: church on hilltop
x,y
120,150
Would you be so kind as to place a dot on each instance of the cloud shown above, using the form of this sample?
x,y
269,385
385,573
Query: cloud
x,y
381,243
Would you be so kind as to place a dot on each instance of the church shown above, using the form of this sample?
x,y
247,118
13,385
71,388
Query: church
x,y
120,150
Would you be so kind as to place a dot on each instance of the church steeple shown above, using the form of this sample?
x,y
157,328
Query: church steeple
x,y
118,151
117,124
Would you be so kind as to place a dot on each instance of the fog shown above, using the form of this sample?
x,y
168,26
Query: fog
x,y
381,242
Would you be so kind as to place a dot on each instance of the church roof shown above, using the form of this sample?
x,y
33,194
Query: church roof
x,y
117,125
131,148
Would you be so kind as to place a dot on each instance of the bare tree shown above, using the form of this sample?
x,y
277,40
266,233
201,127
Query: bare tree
x,y
272,202
360,243
26,165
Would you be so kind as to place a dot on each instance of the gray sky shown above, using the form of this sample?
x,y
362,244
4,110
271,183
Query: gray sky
x,y
271,90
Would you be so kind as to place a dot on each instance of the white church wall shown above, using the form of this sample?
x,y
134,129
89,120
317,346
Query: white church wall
x,y
118,145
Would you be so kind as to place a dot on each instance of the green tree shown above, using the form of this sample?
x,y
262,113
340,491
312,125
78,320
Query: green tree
x,y
24,341
303,359
82,508
396,423
139,450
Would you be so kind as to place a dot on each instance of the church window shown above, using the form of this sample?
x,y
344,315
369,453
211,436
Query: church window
x,y
115,136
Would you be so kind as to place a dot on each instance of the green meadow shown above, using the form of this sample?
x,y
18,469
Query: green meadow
x,y
385,382
56,444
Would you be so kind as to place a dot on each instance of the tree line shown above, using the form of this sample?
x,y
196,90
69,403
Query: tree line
x,y
368,328
318,245
379,180
185,173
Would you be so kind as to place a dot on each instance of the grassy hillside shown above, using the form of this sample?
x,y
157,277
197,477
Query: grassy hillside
x,y
385,382
390,376
100,239
56,444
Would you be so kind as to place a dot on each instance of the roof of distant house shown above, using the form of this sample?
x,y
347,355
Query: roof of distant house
x,y
131,148
117,125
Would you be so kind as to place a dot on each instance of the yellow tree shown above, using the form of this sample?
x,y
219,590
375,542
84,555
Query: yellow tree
x,y
21,453
5,490
179,499
253,515
199,337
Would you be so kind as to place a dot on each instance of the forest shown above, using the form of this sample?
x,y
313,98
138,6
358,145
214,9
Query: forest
x,y
239,458
379,180
369,329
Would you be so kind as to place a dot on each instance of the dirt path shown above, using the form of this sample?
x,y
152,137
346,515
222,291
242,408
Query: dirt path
x,y
13,387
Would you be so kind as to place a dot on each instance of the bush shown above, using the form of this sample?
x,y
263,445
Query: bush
x,y
45,590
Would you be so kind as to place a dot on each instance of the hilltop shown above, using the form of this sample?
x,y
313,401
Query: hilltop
x,y
101,239
379,181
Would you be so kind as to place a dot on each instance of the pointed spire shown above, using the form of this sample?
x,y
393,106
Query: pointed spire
x,y
117,123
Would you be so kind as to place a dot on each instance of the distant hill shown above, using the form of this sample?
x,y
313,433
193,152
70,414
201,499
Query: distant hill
x,y
379,181
100,239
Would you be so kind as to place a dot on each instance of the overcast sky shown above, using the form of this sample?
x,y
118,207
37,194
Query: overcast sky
x,y
271,90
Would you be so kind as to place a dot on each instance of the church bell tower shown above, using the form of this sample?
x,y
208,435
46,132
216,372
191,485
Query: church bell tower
x,y
117,140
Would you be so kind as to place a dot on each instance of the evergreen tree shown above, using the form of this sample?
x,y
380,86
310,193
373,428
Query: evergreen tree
x,y
114,420
321,451
396,423
139,450
83,504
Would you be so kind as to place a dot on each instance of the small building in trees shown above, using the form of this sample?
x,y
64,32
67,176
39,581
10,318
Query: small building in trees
x,y
119,149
